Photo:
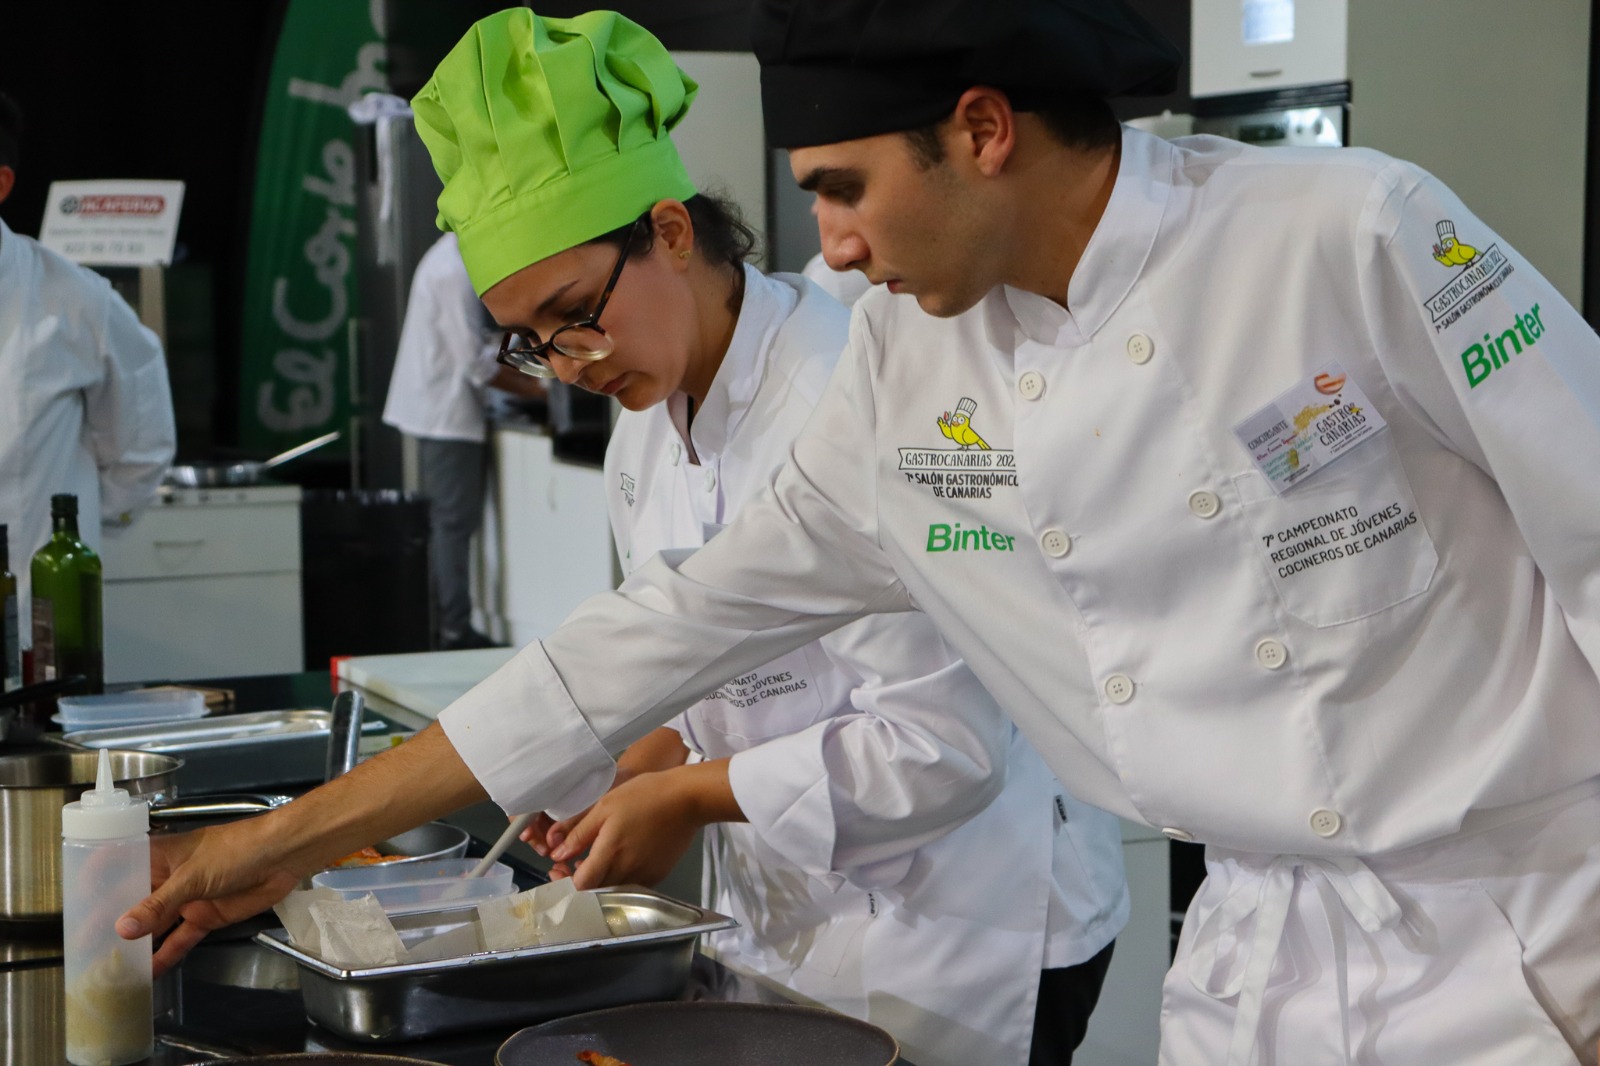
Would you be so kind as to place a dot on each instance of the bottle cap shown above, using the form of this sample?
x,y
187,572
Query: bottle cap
x,y
105,812
63,503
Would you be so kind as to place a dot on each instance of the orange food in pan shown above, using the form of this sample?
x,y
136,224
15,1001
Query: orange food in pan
x,y
368,856
594,1058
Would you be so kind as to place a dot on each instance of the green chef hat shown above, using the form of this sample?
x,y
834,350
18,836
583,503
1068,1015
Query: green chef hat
x,y
549,132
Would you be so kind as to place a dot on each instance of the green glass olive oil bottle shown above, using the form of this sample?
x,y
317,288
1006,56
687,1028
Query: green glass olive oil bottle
x,y
67,629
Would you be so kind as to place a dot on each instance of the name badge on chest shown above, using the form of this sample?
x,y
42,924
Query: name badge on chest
x,y
1307,427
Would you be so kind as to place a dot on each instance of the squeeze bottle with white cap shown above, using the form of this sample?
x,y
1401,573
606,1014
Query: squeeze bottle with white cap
x,y
105,869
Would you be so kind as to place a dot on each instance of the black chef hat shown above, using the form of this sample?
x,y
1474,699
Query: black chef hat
x,y
835,70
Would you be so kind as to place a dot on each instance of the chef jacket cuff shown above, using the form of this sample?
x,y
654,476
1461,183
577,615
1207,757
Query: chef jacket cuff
x,y
783,790
526,742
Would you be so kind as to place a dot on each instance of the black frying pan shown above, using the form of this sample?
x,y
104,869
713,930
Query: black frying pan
x,y
325,1058
701,1032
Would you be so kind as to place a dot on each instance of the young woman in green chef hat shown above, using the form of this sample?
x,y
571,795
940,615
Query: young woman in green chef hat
x,y
888,843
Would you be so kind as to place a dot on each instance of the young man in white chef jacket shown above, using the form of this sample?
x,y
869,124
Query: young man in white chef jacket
x,y
86,408
1300,561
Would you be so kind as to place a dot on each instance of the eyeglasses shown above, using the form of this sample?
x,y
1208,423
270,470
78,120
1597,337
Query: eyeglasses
x,y
583,340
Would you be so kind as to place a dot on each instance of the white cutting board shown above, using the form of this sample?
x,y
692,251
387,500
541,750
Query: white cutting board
x,y
424,682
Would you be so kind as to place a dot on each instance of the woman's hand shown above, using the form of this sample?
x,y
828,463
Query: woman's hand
x,y
660,749
639,830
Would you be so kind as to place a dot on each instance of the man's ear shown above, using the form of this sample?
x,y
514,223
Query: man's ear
x,y
8,178
985,128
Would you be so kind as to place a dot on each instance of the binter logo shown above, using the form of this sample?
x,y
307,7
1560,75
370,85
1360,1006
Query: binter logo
x,y
1481,360
952,538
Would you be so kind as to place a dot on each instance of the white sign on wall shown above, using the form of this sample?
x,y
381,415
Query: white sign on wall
x,y
113,223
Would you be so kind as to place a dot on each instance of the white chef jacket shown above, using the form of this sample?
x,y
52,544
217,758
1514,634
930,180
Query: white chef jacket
x,y
86,408
444,359
1141,600
864,761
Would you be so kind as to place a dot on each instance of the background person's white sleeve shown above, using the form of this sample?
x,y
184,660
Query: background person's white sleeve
x,y
128,414
846,286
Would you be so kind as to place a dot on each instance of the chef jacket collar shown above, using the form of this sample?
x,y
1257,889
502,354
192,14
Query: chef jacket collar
x,y
767,304
1116,254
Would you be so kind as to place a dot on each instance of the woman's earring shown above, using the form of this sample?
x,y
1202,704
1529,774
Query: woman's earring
x,y
684,254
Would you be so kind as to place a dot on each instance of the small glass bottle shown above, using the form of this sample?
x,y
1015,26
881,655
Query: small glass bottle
x,y
105,869
10,637
68,637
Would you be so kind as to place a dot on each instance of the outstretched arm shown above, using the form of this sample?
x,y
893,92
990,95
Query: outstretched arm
x,y
213,877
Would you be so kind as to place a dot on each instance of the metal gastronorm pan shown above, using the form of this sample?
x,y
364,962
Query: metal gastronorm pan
x,y
232,752
648,959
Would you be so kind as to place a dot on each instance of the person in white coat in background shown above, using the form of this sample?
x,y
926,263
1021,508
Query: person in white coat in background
x,y
86,408
889,844
444,366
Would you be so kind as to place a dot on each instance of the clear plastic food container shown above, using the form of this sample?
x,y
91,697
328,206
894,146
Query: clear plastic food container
x,y
139,707
408,887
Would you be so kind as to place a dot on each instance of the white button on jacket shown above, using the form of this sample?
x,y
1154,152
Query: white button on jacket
x,y
1140,348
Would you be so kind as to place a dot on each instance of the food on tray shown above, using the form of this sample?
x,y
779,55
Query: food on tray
x,y
594,1058
367,856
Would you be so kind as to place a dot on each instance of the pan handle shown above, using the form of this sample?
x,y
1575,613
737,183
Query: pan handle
x,y
344,733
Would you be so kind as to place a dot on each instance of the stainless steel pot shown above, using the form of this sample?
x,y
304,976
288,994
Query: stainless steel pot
x,y
33,789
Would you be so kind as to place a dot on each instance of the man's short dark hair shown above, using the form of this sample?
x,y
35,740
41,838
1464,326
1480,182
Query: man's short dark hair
x,y
10,132
1084,121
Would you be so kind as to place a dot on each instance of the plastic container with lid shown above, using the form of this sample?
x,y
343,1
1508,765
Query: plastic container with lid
x,y
408,887
139,707
105,870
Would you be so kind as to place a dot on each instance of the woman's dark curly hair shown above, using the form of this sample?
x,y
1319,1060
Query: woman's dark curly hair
x,y
720,235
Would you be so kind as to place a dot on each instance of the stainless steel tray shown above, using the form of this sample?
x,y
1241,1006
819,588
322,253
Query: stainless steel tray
x,y
234,752
648,959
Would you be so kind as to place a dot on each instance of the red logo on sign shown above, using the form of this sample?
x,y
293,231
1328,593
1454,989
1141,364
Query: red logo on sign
x,y
114,205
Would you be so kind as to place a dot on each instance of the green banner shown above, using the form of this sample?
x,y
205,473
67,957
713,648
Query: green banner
x,y
300,285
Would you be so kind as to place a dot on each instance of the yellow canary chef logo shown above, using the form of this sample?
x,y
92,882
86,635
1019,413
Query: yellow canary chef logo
x,y
1449,251
1478,273
973,469
958,426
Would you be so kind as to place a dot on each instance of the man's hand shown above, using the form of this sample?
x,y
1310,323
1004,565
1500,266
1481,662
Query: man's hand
x,y
639,830
213,877
206,879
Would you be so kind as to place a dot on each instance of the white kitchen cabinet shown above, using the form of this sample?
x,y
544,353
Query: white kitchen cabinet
x,y
552,535
205,583
1248,46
